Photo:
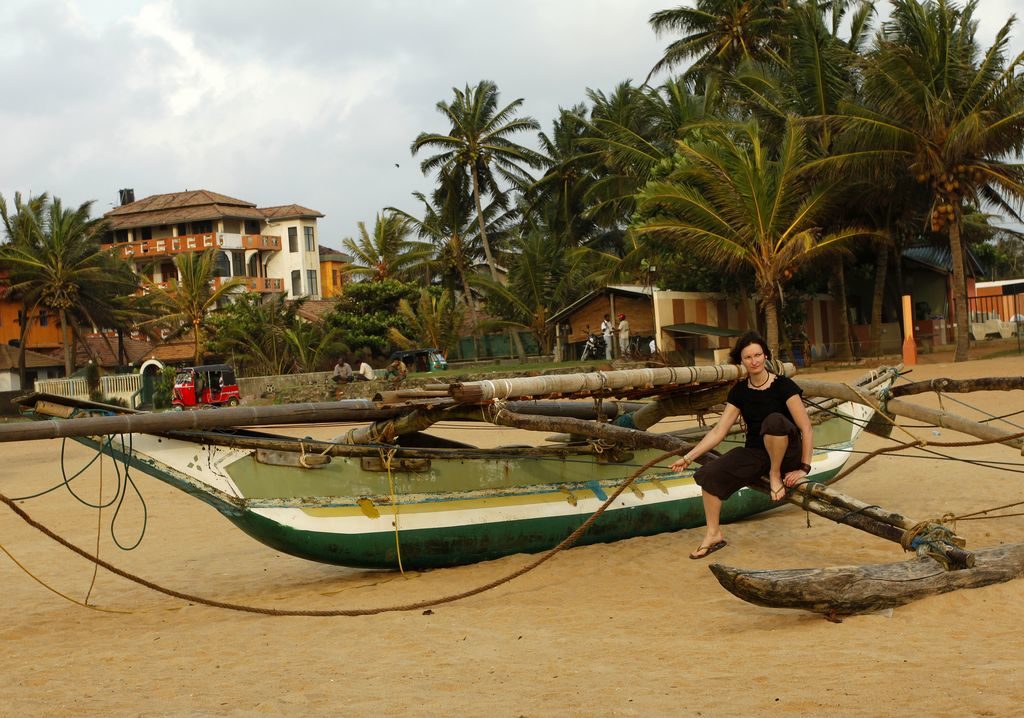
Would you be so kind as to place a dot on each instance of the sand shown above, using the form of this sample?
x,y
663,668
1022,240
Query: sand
x,y
632,628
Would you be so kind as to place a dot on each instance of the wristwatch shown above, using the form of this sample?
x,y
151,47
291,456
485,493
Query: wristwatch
x,y
806,468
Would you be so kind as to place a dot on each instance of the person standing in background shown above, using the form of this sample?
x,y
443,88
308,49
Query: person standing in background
x,y
623,335
606,333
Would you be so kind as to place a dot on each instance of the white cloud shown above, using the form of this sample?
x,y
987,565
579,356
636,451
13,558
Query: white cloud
x,y
304,101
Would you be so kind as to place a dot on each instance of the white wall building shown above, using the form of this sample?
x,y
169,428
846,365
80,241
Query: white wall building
x,y
274,248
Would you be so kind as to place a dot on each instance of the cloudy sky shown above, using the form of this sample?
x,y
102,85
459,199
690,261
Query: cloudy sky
x,y
301,101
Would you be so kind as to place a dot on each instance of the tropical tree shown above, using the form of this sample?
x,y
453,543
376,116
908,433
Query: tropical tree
x,y
387,253
939,110
58,265
719,34
187,301
366,311
479,145
23,226
540,283
436,321
251,331
313,346
733,202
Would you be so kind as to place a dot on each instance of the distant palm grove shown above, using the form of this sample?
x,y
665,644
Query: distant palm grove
x,y
777,148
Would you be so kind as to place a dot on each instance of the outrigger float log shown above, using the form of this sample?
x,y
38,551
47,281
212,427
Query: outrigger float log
x,y
387,494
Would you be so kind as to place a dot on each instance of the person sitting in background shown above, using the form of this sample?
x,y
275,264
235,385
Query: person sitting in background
x,y
342,372
365,372
397,371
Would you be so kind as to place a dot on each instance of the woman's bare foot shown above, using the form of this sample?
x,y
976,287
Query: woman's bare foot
x,y
778,489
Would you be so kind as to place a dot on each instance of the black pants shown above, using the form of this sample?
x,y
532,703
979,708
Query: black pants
x,y
744,465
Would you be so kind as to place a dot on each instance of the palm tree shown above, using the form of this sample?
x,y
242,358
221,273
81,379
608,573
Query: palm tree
x,y
312,346
251,330
59,265
436,321
388,253
23,227
540,283
735,204
938,110
719,34
188,300
479,145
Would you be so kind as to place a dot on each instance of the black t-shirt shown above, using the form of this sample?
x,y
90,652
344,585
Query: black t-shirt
x,y
756,404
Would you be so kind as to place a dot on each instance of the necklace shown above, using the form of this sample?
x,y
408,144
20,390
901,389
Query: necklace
x,y
758,386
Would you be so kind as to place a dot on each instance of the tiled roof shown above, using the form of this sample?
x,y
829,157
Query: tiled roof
x,y
179,352
313,310
196,206
176,207
177,200
106,356
33,360
290,211
328,254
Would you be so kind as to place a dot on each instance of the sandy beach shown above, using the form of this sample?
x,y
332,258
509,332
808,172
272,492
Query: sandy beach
x,y
632,628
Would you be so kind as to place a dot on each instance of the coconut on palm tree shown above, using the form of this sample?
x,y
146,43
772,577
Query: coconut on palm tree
x,y
939,110
741,205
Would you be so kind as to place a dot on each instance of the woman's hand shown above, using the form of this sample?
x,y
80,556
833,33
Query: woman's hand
x,y
681,464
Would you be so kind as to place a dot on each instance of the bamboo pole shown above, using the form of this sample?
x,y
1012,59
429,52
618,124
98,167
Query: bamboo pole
x,y
601,381
946,420
144,423
960,386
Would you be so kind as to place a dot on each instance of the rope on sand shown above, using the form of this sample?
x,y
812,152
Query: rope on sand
x,y
568,542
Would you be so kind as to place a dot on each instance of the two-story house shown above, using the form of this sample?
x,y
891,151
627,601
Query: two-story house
x,y
273,248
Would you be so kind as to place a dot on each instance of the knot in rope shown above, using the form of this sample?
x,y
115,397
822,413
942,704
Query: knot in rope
x,y
927,538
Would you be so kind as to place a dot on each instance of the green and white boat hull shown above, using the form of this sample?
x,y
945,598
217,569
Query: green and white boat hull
x,y
450,508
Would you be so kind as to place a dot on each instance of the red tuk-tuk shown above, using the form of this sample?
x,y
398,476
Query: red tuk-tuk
x,y
205,386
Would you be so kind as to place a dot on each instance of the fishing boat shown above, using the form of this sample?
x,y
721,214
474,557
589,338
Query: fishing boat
x,y
391,494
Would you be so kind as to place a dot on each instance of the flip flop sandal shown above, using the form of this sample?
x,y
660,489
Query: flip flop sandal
x,y
708,550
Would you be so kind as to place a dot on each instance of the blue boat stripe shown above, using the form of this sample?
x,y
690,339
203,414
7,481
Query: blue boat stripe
x,y
598,491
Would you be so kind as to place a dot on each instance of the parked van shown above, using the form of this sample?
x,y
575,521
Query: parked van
x,y
205,386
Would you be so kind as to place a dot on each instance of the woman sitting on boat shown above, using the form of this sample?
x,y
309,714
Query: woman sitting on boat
x,y
779,441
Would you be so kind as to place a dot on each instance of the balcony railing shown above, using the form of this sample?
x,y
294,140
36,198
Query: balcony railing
x,y
252,284
164,246
264,284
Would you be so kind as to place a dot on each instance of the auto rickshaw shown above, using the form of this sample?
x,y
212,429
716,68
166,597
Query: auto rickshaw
x,y
205,386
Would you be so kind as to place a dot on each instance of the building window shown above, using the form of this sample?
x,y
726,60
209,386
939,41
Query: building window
x,y
252,226
293,239
223,268
296,282
311,281
182,230
147,233
205,227
310,243
238,263
44,319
